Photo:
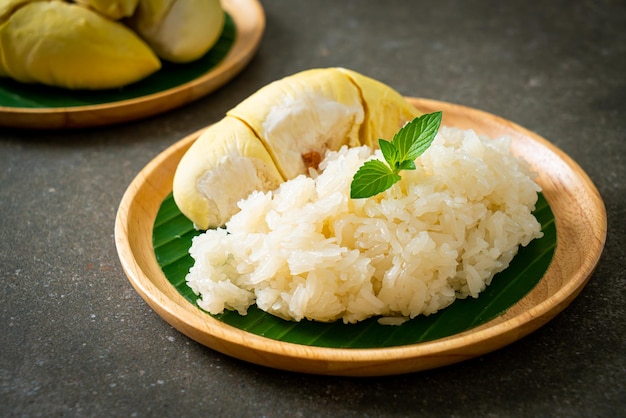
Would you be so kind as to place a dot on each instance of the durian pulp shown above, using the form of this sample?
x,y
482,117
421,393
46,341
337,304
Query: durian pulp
x,y
113,9
308,112
67,45
179,30
225,163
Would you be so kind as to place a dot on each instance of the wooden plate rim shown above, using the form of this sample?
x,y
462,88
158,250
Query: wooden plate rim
x,y
520,320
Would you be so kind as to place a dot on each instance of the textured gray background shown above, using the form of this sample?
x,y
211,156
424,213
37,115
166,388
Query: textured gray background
x,y
77,340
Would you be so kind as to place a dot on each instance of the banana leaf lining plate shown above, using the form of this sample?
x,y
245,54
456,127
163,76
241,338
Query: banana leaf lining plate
x,y
43,107
580,226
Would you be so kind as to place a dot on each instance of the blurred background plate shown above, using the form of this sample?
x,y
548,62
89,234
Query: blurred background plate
x,y
581,223
42,107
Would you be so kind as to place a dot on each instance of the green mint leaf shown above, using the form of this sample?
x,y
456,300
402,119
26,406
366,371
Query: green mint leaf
x,y
390,152
372,178
407,144
416,136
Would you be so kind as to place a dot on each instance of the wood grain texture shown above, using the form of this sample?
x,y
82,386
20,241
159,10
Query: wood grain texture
x,y
581,232
249,19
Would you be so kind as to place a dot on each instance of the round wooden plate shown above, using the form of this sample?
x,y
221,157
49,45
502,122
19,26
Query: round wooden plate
x,y
581,225
249,21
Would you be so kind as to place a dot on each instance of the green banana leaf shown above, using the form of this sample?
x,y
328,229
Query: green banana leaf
x,y
173,232
20,95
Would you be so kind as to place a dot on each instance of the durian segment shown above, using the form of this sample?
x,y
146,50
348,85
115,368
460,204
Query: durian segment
x,y
179,30
279,128
67,45
114,9
225,164
386,110
301,116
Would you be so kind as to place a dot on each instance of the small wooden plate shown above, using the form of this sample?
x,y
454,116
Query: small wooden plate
x,y
581,225
249,20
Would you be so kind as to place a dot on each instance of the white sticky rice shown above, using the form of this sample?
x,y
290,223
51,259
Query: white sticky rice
x,y
306,250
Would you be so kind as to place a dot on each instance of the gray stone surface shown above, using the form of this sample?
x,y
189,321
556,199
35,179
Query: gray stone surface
x,y
77,340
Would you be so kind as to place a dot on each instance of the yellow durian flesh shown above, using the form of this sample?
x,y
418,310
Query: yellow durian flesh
x,y
68,45
304,114
179,30
308,112
113,9
227,162
7,7
386,110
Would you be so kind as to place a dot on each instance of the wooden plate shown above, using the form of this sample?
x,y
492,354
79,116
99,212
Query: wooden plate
x,y
139,101
580,219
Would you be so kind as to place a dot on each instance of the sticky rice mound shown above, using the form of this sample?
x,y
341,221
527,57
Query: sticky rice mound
x,y
308,251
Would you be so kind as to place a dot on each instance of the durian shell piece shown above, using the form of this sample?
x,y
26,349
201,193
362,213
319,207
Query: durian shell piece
x,y
302,115
113,9
227,162
386,110
179,30
68,45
